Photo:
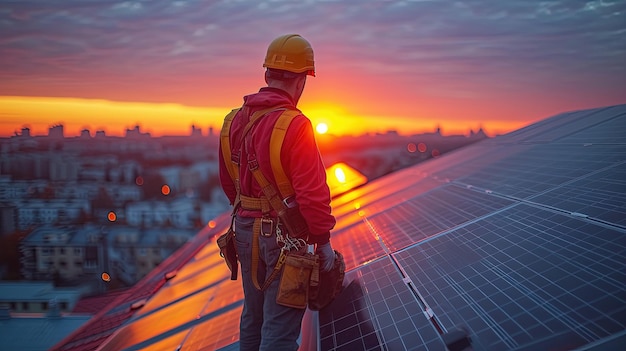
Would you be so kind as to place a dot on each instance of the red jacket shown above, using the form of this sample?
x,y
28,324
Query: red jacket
x,y
300,157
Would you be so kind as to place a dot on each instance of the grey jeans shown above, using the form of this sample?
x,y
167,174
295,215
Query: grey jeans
x,y
265,325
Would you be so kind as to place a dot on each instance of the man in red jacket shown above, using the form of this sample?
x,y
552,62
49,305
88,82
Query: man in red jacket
x,y
266,325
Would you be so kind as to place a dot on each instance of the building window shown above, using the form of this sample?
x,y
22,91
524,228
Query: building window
x,y
77,251
63,306
44,306
24,306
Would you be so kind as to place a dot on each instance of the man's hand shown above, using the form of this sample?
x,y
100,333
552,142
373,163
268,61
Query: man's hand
x,y
326,255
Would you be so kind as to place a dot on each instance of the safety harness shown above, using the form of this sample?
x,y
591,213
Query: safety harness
x,y
276,199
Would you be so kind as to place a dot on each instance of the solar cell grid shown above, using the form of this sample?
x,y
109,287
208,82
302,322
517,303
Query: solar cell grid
x,y
554,122
609,131
572,123
357,244
431,213
532,287
543,168
161,321
601,195
376,311
386,195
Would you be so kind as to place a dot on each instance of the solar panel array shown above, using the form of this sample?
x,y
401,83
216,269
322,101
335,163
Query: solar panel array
x,y
519,240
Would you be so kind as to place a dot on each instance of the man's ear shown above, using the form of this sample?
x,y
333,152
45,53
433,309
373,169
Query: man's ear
x,y
301,82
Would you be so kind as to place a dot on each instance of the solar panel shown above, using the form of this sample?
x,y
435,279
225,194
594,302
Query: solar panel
x,y
525,278
600,195
433,212
377,311
605,131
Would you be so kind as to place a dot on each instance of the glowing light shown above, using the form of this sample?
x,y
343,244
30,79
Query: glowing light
x,y
105,277
411,147
165,189
112,216
421,147
139,180
322,128
341,178
212,224
340,175
436,153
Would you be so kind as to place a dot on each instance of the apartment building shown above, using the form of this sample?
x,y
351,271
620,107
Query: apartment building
x,y
64,253
70,254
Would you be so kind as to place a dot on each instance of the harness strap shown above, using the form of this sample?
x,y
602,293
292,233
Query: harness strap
x,y
256,229
255,203
232,167
276,144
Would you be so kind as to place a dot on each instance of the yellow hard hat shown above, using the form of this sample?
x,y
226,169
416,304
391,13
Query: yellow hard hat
x,y
290,52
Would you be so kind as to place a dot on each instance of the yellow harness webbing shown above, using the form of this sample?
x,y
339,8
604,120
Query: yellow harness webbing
x,y
276,143
264,204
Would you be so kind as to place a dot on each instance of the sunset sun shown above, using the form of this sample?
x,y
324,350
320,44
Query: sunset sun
x,y
321,128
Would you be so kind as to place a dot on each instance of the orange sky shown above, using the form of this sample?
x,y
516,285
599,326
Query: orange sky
x,y
38,114
400,65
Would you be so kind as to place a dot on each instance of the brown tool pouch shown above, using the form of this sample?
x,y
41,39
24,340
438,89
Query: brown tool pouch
x,y
293,290
226,243
294,222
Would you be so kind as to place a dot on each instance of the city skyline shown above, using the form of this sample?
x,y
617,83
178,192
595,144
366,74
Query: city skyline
x,y
59,129
393,65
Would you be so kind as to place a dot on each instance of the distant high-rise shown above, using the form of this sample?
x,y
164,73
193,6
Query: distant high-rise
x,y
25,132
84,134
135,133
196,132
56,131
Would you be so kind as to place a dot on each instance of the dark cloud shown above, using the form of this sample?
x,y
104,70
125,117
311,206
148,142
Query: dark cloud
x,y
517,41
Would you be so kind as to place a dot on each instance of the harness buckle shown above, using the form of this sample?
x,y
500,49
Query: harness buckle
x,y
267,227
253,164
290,202
234,158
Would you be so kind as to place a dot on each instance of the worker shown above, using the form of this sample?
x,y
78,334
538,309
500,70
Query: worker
x,y
265,324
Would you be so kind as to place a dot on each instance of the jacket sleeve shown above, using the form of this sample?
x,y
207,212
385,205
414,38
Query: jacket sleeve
x,y
303,165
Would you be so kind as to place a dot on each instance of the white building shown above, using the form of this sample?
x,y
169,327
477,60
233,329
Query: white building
x,y
178,213
33,212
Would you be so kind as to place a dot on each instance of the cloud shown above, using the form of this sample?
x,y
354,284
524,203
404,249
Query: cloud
x,y
478,41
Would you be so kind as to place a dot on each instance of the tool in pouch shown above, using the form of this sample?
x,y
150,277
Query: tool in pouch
x,y
226,244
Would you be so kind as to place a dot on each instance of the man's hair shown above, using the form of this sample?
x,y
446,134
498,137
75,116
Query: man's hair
x,y
279,74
